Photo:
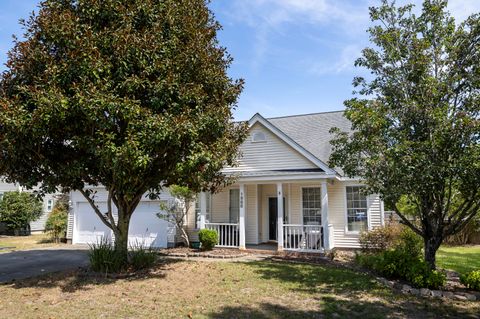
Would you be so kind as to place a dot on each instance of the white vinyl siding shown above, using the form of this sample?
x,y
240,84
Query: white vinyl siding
x,y
271,154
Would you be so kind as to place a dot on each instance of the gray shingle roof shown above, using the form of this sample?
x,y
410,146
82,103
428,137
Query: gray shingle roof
x,y
311,131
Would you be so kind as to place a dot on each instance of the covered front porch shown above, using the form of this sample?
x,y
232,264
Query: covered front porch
x,y
288,215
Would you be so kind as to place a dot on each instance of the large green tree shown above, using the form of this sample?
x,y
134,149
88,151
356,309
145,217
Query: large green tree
x,y
129,94
416,117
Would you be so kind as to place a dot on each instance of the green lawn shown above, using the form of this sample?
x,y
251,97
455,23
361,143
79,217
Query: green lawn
x,y
220,289
461,259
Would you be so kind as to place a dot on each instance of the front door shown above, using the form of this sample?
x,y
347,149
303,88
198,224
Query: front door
x,y
272,218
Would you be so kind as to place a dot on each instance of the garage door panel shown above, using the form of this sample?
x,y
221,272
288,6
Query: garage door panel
x,y
90,229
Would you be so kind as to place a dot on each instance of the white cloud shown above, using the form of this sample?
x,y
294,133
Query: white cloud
x,y
344,62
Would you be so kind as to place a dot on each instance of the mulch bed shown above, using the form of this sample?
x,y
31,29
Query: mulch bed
x,y
220,253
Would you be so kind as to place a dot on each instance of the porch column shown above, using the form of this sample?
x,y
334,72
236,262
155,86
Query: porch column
x,y
326,241
280,216
203,209
241,217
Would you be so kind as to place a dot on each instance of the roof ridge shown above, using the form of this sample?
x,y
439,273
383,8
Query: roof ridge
x,y
306,114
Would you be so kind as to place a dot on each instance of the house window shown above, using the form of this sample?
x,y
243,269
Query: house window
x,y
49,205
259,137
357,217
234,205
208,217
312,206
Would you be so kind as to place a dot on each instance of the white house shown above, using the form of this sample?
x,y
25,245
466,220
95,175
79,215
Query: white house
x,y
285,193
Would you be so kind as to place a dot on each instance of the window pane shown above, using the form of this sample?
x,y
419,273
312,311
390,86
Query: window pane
x,y
357,212
234,205
312,205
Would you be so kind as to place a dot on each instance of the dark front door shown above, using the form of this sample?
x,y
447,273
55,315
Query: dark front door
x,y
272,218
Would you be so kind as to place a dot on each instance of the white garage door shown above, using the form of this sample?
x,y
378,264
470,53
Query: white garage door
x,y
146,229
89,228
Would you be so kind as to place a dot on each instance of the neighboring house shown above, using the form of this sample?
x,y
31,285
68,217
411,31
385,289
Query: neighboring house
x,y
285,194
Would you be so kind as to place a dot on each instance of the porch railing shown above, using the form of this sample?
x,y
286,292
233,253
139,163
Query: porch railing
x,y
228,234
307,238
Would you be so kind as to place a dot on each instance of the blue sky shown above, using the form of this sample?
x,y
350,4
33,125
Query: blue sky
x,y
296,56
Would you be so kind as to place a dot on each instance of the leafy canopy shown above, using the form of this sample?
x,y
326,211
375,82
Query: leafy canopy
x,y
416,118
128,94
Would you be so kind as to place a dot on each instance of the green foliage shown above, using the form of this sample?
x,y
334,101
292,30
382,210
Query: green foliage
x,y
18,209
415,122
104,258
404,261
140,257
56,224
471,280
208,238
380,238
132,95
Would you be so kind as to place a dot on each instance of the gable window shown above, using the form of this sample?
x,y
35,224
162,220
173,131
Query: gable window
x,y
357,211
208,216
234,205
312,206
259,137
49,205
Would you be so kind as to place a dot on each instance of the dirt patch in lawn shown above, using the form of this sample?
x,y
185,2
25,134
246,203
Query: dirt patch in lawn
x,y
193,289
214,253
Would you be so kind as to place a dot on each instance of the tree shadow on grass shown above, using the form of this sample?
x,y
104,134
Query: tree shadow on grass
x,y
83,279
333,307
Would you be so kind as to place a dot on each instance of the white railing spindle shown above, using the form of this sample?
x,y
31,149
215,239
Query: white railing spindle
x,y
228,233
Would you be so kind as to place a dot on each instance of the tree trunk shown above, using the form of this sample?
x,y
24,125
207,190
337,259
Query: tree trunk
x,y
121,233
431,246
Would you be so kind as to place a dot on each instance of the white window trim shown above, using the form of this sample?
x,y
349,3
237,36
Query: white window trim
x,y
259,141
301,201
369,226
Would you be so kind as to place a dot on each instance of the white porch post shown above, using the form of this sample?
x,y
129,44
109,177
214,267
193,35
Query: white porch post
x,y
280,216
203,209
326,239
241,219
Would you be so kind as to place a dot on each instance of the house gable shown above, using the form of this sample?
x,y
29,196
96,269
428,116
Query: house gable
x,y
263,150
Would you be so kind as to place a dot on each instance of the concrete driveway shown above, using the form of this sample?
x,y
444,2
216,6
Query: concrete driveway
x,y
31,263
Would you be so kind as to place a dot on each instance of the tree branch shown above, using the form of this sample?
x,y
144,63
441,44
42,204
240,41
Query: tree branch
x,y
96,209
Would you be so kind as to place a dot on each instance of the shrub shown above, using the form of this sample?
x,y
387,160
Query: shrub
x,y
18,209
141,257
56,224
379,239
471,280
104,258
404,261
208,238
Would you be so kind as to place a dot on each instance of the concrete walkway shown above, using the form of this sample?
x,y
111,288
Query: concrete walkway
x,y
30,263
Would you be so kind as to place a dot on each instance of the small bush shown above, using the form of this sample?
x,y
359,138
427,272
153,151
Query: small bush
x,y
471,280
56,224
104,258
379,239
208,238
141,257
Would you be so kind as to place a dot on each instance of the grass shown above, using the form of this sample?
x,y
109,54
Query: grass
x,y
196,289
13,243
461,259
